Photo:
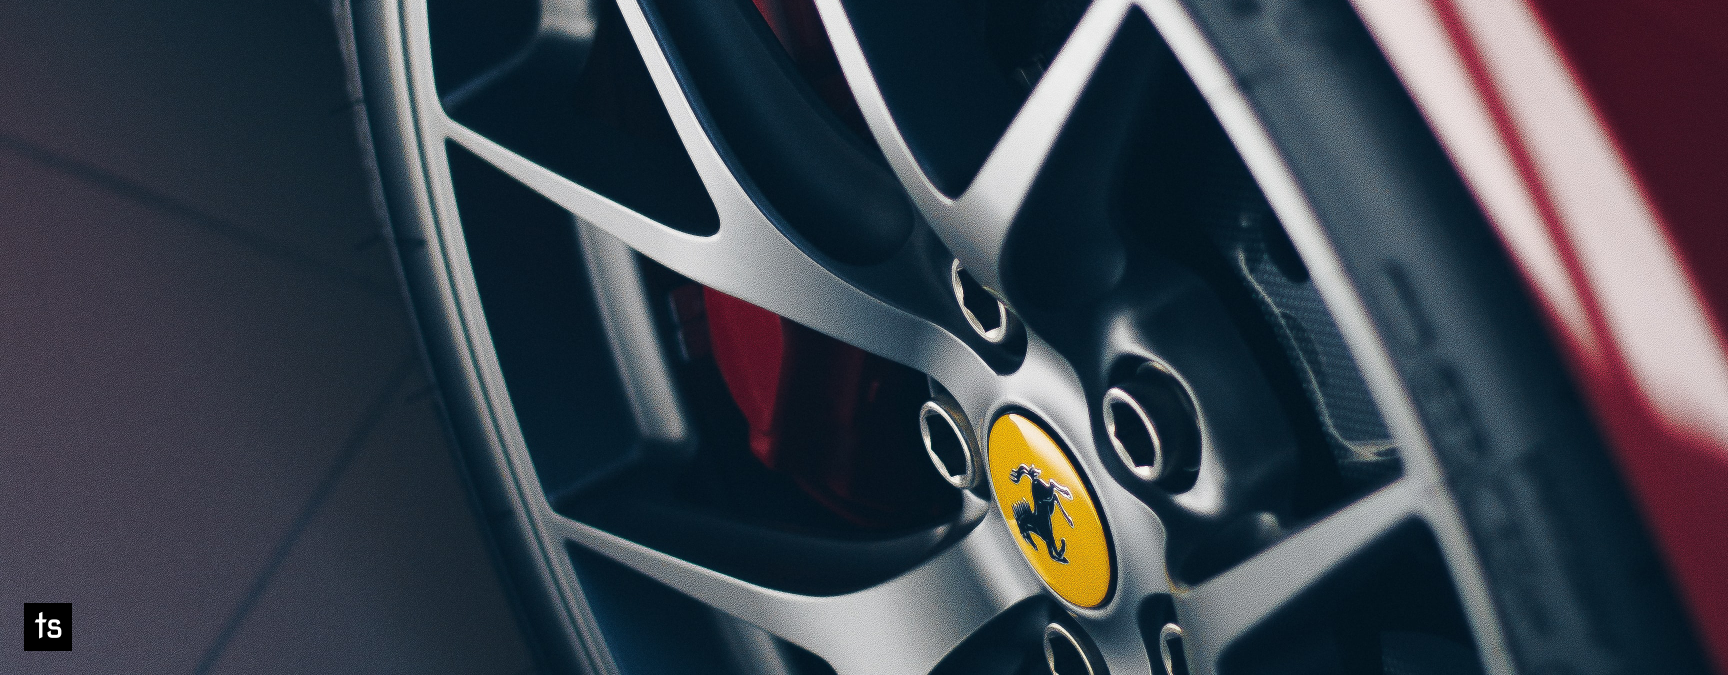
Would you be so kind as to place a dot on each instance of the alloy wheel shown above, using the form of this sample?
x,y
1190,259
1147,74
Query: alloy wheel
x,y
1071,219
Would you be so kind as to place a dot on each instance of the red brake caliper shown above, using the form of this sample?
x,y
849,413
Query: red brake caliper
x,y
841,422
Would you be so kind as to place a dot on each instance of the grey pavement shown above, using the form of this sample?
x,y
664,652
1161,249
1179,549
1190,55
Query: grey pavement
x,y
218,439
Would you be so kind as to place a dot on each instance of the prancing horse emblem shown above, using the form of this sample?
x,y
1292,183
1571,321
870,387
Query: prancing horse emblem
x,y
1037,517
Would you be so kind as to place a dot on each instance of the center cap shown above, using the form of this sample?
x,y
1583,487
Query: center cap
x,y
1049,510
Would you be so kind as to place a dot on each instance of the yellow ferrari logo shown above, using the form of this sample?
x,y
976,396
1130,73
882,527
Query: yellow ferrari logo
x,y
1049,510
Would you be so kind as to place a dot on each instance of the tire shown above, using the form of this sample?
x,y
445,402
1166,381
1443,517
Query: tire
x,y
1572,572
1240,231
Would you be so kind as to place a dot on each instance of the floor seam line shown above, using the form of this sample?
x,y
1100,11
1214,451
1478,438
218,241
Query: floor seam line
x,y
119,185
351,448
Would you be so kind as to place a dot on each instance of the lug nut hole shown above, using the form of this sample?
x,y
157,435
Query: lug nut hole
x,y
1133,434
1153,427
987,315
1170,650
947,438
1063,653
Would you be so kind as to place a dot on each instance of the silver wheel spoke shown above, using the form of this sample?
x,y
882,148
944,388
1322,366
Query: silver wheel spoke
x,y
904,625
752,260
875,109
749,259
627,316
1218,612
975,226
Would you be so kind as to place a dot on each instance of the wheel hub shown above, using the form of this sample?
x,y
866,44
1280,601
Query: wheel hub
x,y
1048,506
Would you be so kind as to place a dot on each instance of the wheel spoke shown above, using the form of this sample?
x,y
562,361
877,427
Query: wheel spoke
x,y
904,625
749,257
874,107
978,223
975,226
753,261
1218,612
626,315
